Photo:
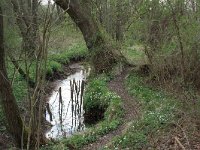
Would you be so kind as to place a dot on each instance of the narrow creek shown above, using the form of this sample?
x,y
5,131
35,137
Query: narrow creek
x,y
65,104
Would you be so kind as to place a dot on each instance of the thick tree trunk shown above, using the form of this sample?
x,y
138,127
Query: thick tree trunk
x,y
8,102
82,18
104,54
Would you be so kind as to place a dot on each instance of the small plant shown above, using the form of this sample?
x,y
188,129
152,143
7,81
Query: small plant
x,y
158,111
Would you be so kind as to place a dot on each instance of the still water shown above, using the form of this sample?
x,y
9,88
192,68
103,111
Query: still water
x,y
65,106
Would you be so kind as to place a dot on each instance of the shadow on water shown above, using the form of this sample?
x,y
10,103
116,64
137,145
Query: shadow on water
x,y
65,106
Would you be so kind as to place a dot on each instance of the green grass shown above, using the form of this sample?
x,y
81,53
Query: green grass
x,y
74,53
53,66
97,94
135,55
55,61
158,111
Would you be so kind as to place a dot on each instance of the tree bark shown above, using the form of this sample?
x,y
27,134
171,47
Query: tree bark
x,y
60,14
8,101
104,54
119,31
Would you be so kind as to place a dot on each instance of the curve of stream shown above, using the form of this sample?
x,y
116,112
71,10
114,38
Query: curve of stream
x,y
65,105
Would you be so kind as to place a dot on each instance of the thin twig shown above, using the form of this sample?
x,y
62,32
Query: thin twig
x,y
179,143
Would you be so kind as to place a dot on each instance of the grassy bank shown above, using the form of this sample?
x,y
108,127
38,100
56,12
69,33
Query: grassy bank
x,y
158,114
97,95
75,53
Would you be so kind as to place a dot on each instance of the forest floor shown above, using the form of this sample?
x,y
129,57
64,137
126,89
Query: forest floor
x,y
130,106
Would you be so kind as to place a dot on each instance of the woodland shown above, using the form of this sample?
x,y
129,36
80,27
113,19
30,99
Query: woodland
x,y
100,74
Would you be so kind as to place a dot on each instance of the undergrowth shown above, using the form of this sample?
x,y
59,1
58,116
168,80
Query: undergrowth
x,y
135,55
158,111
97,95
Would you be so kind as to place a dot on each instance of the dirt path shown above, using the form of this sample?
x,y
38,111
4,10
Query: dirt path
x,y
130,106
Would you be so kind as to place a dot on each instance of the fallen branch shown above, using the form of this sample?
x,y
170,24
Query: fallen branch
x,y
179,143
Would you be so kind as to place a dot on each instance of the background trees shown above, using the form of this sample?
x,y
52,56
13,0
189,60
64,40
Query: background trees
x,y
103,52
26,13
167,32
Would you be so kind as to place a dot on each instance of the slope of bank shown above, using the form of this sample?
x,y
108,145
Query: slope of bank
x,y
130,107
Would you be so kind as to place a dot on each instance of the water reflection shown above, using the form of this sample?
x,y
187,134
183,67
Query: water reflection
x,y
65,107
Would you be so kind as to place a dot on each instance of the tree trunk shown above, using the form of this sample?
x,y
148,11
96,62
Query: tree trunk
x,y
60,13
119,31
8,101
104,54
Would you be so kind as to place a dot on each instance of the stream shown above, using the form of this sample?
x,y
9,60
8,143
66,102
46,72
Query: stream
x,y
65,104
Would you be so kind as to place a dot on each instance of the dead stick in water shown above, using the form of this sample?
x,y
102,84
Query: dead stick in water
x,y
75,99
78,98
49,112
60,106
81,97
71,86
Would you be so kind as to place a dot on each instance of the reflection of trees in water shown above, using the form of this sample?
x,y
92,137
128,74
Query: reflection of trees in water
x,y
76,104
77,89
60,109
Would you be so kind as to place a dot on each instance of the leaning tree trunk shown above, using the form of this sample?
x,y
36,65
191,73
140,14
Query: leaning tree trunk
x,y
8,101
104,54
